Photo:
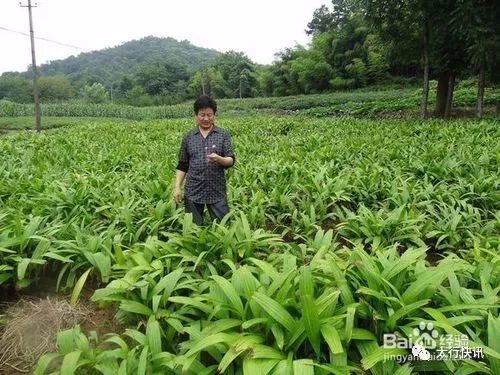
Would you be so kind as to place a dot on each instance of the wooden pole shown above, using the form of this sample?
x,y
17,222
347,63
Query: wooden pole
x,y
36,91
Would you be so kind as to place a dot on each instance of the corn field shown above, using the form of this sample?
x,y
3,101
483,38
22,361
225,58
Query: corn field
x,y
389,103
341,231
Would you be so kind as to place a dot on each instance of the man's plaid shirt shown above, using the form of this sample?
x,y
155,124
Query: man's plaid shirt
x,y
205,182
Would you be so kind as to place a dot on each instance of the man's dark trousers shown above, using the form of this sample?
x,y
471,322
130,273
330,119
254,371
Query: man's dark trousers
x,y
216,210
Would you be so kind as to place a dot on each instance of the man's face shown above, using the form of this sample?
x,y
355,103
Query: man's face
x,y
205,118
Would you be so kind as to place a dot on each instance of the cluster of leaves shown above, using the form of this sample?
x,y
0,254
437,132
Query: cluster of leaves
x,y
347,174
349,196
201,302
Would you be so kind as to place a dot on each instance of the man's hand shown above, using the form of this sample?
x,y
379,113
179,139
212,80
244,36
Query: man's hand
x,y
214,158
177,195
179,177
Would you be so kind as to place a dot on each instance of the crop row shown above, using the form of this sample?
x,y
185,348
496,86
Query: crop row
x,y
337,104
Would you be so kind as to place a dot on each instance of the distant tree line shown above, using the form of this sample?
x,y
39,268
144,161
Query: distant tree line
x,y
362,42
155,82
355,43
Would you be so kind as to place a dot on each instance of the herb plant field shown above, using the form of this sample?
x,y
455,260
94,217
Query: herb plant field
x,y
341,231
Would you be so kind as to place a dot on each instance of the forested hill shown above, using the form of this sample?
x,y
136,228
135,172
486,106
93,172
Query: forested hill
x,y
115,62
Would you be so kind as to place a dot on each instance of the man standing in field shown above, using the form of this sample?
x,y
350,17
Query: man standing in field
x,y
204,155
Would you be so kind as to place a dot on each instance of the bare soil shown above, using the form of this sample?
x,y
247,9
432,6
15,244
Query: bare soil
x,y
29,325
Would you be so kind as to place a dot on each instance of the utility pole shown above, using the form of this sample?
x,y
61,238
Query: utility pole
x,y
36,91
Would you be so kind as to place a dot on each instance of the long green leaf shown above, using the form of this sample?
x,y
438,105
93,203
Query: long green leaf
x,y
153,334
349,324
66,340
135,307
428,281
167,283
230,293
306,286
22,266
404,370
78,287
228,358
189,301
44,362
209,341
332,338
303,367
256,366
267,268
310,318
362,334
494,342
380,355
403,311
275,310
137,336
70,363
143,361
264,351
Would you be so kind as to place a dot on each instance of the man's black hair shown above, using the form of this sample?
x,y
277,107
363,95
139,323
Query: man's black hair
x,y
204,101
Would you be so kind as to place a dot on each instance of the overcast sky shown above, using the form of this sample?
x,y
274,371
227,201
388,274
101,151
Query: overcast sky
x,y
259,28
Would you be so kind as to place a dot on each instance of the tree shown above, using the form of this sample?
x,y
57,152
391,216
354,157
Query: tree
x,y
376,67
405,26
453,37
321,22
136,96
311,72
248,83
95,93
158,78
423,25
266,80
477,23
324,20
358,71
284,81
55,88
208,81
343,54
238,72
447,56
83,78
353,52
15,87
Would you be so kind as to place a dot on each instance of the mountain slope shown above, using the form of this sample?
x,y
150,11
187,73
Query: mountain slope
x,y
117,61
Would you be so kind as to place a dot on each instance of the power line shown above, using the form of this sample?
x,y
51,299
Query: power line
x,y
100,52
41,38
